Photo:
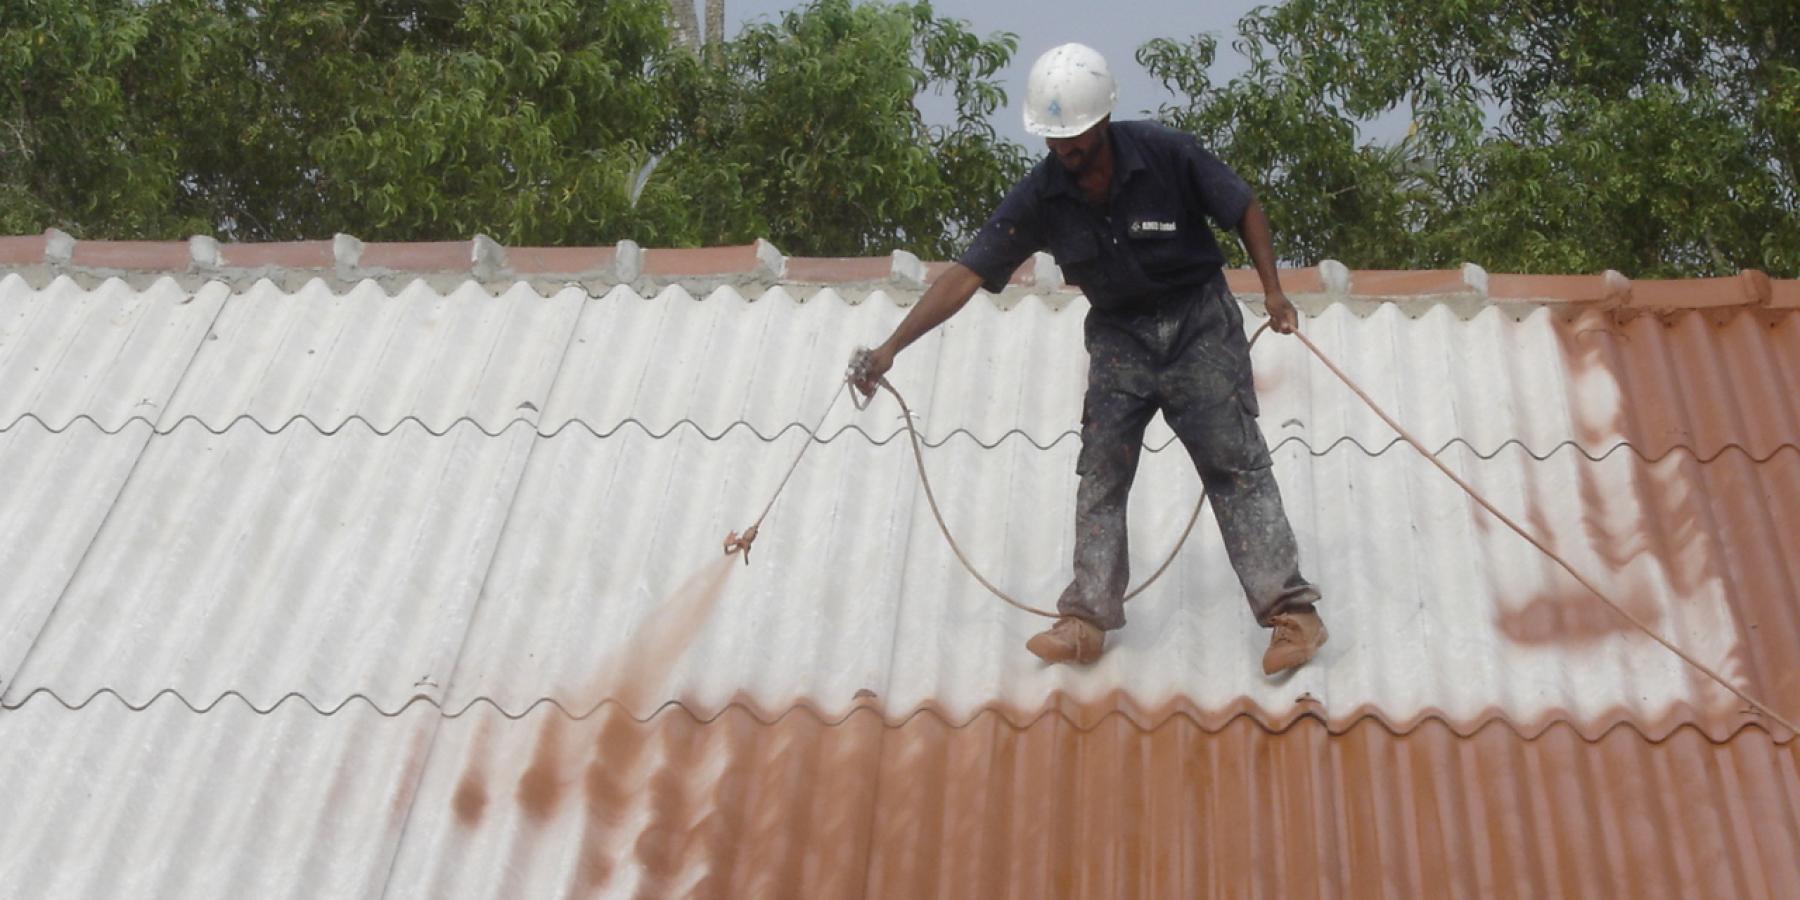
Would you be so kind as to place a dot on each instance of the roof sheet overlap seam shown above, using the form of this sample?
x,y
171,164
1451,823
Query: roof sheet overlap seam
x,y
455,662
7,677
1592,732
963,434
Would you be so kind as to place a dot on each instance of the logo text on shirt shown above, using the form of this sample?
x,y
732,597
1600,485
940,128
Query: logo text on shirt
x,y
1150,226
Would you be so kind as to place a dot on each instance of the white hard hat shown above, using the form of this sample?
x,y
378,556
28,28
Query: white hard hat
x,y
1070,89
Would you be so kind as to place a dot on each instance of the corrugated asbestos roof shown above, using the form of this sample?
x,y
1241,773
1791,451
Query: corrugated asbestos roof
x,y
324,580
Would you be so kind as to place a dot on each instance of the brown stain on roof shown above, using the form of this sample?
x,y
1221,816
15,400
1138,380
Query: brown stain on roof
x,y
1574,618
604,757
471,798
1702,523
411,772
609,787
661,847
541,786
616,789
604,795
632,679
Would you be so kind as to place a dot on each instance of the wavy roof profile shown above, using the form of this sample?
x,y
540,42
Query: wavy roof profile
x,y
372,580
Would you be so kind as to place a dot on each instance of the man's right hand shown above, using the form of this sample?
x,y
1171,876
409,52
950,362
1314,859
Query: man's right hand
x,y
880,360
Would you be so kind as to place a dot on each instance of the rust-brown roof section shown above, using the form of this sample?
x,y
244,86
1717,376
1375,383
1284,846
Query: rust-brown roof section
x,y
805,806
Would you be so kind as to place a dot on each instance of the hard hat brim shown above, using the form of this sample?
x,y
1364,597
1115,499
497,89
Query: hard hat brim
x,y
1046,130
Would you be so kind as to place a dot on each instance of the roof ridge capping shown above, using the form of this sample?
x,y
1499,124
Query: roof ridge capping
x,y
346,259
444,264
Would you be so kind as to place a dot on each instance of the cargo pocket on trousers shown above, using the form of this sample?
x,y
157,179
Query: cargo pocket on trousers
x,y
1255,450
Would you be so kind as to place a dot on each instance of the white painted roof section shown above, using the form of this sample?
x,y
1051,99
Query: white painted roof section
x,y
1486,382
251,632
83,376
671,361
298,562
108,801
111,354
381,359
55,489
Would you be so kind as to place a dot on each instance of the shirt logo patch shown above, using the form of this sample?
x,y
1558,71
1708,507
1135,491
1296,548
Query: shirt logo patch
x,y
1150,226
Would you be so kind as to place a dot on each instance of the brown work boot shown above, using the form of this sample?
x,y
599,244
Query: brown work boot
x,y
1069,640
1298,635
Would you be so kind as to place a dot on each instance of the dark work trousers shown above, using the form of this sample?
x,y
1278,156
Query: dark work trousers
x,y
1188,357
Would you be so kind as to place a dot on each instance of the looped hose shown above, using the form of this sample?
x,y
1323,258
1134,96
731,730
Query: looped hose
x,y
858,367
938,514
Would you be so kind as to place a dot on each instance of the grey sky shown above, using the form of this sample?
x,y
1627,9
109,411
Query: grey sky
x,y
1115,29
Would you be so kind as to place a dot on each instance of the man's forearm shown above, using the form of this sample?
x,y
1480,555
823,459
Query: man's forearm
x,y
941,301
1254,229
948,294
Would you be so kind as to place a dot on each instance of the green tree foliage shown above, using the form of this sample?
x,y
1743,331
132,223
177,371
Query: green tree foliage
x,y
524,119
811,138
1659,137
393,119
73,143
534,121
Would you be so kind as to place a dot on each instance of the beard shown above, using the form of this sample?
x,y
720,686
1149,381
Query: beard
x,y
1078,160
1075,162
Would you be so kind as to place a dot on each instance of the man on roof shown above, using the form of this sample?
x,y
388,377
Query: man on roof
x,y
1123,207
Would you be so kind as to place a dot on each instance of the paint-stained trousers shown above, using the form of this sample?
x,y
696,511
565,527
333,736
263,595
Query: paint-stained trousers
x,y
1188,357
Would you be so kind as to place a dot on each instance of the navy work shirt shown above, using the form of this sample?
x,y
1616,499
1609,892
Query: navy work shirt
x,y
1150,240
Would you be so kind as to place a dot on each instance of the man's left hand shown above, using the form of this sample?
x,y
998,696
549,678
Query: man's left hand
x,y
1282,315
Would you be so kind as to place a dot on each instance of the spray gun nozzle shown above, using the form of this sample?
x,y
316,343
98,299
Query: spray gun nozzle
x,y
859,365
735,542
